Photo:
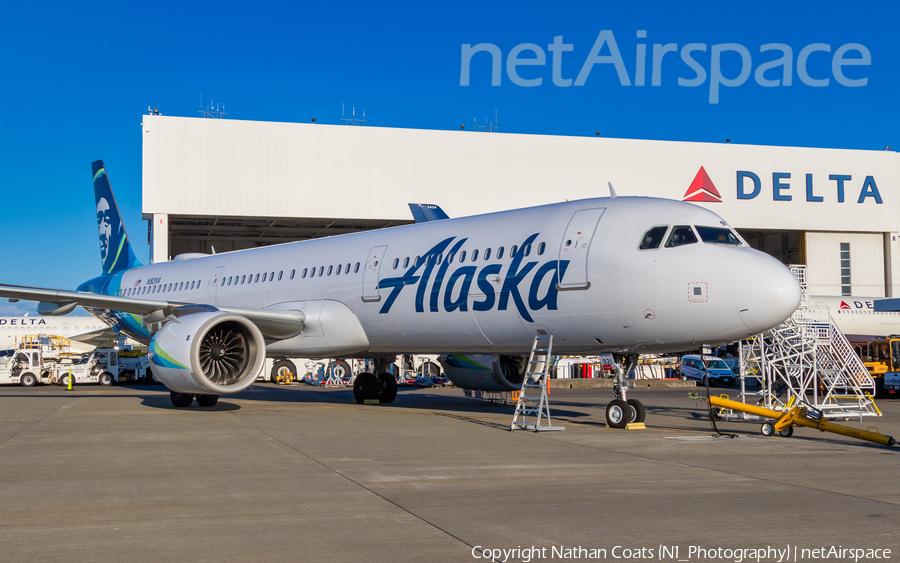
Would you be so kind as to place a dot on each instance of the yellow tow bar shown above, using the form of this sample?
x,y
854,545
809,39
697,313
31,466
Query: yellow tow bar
x,y
798,416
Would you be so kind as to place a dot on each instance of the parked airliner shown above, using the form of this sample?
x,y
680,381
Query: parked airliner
x,y
84,332
857,318
624,275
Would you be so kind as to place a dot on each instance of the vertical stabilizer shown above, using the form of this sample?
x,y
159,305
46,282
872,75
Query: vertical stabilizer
x,y
116,254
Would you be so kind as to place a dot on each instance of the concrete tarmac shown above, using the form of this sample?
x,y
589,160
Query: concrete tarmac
x,y
304,474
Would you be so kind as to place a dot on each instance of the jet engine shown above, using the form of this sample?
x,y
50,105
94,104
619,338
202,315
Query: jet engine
x,y
209,353
485,373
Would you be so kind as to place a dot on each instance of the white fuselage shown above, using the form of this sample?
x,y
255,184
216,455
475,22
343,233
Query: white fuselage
x,y
368,296
13,329
857,317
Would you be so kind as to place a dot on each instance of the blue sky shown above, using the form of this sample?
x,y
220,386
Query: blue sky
x,y
77,80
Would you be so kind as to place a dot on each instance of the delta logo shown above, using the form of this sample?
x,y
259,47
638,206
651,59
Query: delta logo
x,y
702,189
844,305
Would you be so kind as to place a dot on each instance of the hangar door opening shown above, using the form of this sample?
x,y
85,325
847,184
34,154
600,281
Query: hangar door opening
x,y
787,246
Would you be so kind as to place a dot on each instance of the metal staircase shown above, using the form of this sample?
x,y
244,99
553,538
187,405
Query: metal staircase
x,y
808,361
533,395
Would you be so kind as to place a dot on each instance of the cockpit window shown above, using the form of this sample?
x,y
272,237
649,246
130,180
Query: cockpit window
x,y
681,235
653,238
717,235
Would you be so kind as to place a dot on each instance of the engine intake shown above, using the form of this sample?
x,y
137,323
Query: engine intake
x,y
209,353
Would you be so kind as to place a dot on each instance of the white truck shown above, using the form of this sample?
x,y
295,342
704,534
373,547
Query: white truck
x,y
30,366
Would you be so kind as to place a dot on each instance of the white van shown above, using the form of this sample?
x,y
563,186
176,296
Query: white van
x,y
719,372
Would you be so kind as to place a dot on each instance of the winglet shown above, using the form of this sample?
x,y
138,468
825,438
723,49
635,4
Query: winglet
x,y
116,254
612,191
424,212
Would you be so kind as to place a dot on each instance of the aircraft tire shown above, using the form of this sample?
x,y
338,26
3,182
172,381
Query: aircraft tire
x,y
638,413
28,380
281,366
105,379
365,387
181,400
207,400
387,391
617,413
879,388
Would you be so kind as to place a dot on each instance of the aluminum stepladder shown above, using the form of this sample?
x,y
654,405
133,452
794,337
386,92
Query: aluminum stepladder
x,y
533,395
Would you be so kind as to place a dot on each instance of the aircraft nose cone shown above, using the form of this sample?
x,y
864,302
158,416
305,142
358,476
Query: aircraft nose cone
x,y
765,293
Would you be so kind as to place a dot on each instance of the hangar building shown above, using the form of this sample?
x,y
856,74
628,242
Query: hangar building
x,y
225,185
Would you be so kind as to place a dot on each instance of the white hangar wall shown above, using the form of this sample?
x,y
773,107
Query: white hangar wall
x,y
230,168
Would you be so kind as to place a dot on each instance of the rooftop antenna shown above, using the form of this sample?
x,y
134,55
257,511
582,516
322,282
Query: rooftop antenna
x,y
213,110
352,120
612,191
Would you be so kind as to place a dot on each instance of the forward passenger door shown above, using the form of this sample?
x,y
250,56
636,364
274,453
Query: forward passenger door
x,y
574,247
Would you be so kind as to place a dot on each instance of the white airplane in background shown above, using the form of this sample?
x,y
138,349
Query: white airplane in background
x,y
84,332
857,318
624,275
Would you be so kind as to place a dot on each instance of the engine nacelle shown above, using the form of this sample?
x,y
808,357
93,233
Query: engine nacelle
x,y
211,353
485,373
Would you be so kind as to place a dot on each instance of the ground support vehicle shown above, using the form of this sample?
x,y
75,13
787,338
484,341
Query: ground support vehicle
x,y
23,368
30,367
100,366
882,358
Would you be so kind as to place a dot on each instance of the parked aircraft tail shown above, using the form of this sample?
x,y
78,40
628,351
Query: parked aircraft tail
x,y
424,212
116,253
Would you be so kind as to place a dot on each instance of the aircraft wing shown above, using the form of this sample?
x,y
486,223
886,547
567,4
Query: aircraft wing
x,y
101,337
275,324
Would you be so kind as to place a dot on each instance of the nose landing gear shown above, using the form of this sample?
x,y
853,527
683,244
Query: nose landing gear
x,y
622,411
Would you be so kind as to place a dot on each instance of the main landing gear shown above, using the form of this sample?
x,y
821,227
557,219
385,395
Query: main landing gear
x,y
381,388
621,411
184,400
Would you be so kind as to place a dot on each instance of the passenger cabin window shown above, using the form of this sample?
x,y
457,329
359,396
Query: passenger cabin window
x,y
717,235
500,253
653,238
541,248
475,255
512,251
356,268
305,270
281,273
487,254
339,269
396,263
347,269
330,268
681,235
406,262
292,273
462,256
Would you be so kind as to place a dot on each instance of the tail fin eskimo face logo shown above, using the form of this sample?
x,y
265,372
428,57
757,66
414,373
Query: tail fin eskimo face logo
x,y
702,189
116,253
